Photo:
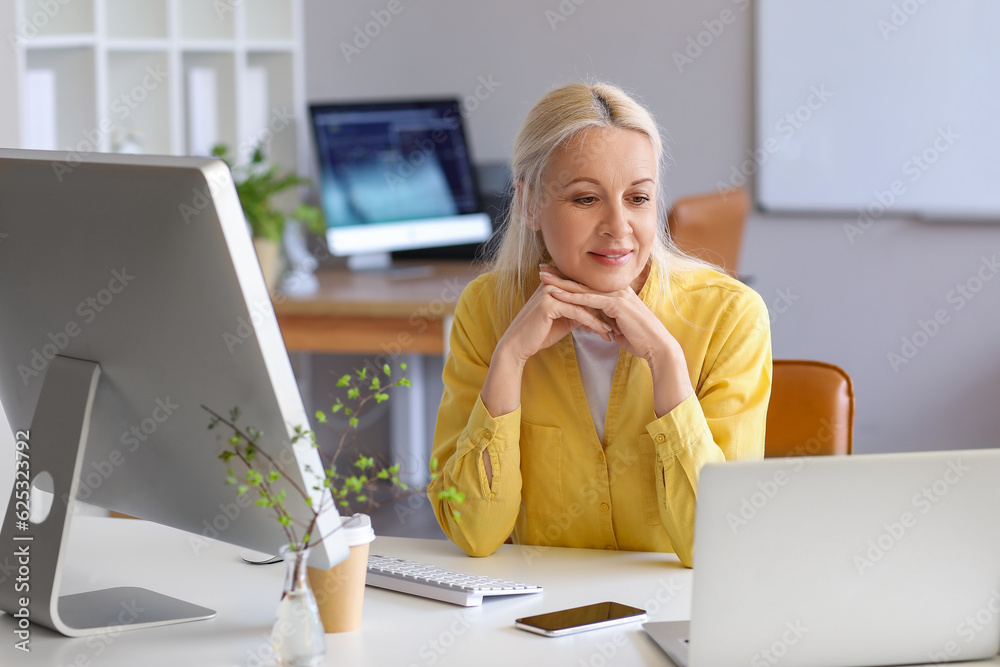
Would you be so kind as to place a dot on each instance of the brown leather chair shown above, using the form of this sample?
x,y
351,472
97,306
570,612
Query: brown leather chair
x,y
710,226
811,412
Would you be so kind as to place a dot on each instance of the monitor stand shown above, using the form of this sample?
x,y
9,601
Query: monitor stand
x,y
381,262
58,438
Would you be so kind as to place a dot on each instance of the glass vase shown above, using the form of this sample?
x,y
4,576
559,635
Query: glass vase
x,y
297,638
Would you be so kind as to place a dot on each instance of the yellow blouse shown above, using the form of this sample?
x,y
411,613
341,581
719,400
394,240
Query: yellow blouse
x,y
555,483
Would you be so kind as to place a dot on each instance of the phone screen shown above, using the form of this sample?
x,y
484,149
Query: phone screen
x,y
600,614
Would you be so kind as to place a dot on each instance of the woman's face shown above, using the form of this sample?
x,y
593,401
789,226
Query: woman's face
x,y
598,212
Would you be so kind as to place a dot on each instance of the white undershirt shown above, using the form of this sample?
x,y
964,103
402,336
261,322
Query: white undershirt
x,y
596,359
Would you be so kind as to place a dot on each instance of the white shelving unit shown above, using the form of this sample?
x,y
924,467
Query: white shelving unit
x,y
115,69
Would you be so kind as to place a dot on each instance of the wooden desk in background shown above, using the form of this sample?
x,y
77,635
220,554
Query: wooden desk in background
x,y
376,313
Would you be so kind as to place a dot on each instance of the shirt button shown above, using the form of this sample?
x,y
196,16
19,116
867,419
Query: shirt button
x,y
600,456
661,438
611,548
604,507
487,434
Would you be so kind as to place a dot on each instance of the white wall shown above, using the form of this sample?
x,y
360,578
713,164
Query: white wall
x,y
848,303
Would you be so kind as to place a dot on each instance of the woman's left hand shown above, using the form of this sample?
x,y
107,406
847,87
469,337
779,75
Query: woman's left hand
x,y
636,329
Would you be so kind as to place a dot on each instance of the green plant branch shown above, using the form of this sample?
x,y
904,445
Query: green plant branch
x,y
378,393
284,517
344,490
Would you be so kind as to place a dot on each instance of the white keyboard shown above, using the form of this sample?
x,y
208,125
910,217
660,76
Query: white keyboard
x,y
406,576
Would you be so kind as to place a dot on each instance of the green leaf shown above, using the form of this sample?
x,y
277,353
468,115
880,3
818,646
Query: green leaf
x,y
226,455
403,382
375,384
362,374
386,369
284,520
344,381
402,366
381,397
383,474
321,416
353,393
361,499
273,476
353,422
241,489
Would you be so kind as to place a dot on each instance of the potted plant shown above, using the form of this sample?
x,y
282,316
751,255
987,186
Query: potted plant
x,y
257,184
350,487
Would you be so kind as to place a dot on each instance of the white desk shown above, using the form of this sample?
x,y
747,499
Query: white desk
x,y
396,630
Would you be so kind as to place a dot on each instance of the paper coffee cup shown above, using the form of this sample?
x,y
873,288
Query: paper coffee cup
x,y
340,591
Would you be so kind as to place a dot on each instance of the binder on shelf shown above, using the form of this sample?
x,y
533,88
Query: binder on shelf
x,y
40,125
203,110
256,110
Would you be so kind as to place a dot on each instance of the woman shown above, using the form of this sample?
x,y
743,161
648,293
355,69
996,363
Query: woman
x,y
594,370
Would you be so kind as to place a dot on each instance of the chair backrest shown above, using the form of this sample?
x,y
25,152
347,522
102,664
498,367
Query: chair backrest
x,y
710,226
811,410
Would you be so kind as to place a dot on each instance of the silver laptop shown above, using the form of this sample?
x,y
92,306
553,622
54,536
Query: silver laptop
x,y
844,561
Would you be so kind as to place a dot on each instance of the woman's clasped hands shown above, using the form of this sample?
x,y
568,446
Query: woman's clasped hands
x,y
619,316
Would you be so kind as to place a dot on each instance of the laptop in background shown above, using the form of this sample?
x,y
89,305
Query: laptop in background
x,y
844,561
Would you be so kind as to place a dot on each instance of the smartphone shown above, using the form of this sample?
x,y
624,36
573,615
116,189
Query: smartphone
x,y
580,619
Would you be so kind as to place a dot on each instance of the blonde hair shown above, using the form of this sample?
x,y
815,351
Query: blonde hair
x,y
556,119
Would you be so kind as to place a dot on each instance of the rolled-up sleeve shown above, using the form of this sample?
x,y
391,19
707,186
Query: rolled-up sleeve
x,y
465,429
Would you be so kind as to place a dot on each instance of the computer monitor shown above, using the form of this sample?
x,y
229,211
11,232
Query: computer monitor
x,y
395,176
131,296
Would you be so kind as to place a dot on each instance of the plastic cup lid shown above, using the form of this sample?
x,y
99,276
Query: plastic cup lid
x,y
357,529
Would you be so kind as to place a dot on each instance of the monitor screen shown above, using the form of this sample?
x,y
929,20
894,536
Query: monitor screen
x,y
396,176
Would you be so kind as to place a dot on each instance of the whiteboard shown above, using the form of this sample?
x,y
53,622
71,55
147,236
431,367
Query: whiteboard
x,y
890,107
